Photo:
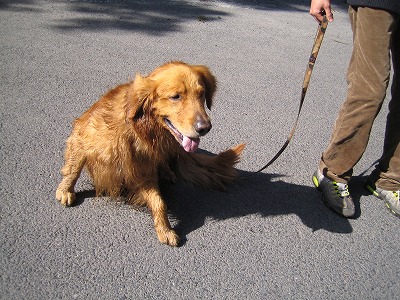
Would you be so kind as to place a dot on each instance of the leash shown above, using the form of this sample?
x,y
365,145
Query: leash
x,y
313,57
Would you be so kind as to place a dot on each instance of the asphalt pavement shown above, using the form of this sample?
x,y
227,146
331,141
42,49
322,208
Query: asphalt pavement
x,y
268,237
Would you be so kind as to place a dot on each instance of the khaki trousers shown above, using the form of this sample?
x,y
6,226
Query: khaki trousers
x,y
376,43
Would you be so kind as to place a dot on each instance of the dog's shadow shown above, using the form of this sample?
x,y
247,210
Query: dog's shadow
x,y
262,194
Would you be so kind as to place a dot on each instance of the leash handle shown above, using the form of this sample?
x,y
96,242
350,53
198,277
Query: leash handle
x,y
313,57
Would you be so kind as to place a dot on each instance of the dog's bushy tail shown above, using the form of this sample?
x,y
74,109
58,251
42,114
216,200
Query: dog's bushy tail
x,y
213,172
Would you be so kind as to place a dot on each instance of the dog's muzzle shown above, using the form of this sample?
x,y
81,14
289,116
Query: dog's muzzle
x,y
203,127
190,144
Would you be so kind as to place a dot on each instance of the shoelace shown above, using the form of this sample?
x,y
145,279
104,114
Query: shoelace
x,y
342,189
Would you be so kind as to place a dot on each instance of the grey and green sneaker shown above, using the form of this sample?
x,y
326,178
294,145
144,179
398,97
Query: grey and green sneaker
x,y
334,194
391,198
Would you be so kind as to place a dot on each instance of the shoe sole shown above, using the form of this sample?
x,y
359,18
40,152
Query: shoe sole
x,y
315,181
373,192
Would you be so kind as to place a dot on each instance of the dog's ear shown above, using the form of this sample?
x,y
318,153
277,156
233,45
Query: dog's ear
x,y
138,97
209,81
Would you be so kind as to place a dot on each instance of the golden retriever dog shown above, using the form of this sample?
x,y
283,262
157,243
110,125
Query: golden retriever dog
x,y
144,131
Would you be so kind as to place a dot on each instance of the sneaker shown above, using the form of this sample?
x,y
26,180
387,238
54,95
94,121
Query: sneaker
x,y
334,194
391,198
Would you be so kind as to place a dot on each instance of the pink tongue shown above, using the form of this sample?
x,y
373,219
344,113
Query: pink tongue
x,y
190,145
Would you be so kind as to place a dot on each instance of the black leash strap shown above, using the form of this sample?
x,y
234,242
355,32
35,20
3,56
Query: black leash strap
x,y
313,57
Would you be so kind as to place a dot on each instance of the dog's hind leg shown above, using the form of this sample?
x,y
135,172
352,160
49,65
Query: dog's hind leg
x,y
74,162
150,196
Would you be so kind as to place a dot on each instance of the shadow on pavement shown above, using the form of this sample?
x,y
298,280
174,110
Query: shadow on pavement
x,y
152,17
254,194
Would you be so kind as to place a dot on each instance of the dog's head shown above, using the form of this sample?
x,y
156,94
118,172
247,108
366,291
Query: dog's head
x,y
176,95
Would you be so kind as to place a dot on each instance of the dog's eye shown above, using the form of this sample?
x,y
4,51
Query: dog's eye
x,y
175,97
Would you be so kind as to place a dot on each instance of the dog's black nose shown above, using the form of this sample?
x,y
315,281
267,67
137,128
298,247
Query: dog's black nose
x,y
203,127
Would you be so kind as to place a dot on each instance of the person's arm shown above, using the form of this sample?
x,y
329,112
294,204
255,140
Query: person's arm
x,y
319,8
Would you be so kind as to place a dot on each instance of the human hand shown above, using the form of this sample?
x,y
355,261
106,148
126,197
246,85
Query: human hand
x,y
319,8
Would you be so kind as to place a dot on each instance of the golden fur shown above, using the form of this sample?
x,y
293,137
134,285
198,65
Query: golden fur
x,y
140,131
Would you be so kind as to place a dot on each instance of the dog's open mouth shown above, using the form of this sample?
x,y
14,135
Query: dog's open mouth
x,y
189,144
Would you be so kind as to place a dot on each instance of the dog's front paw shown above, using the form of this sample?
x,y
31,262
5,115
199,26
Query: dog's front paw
x,y
65,197
168,237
